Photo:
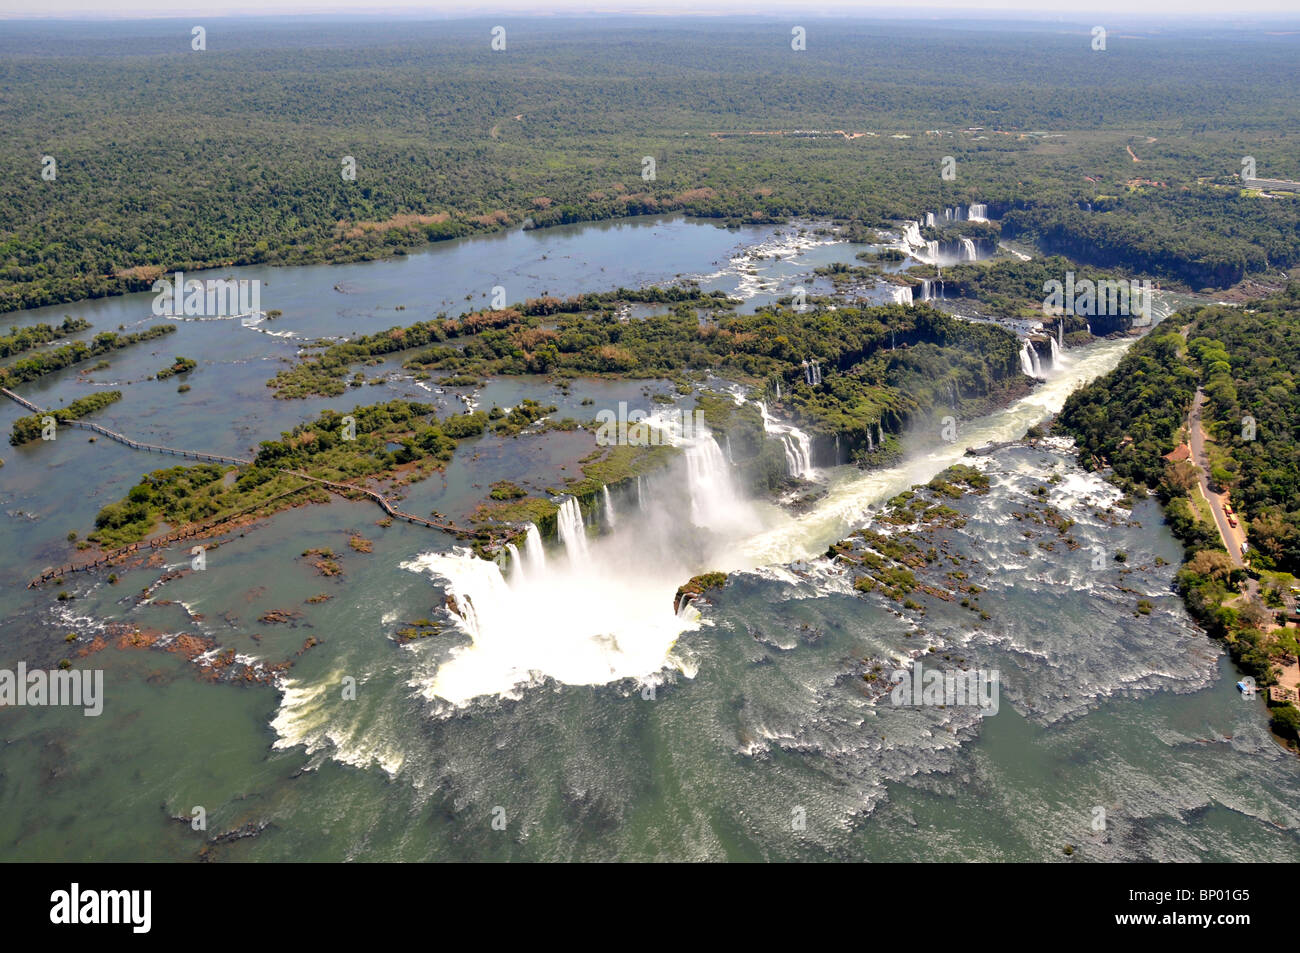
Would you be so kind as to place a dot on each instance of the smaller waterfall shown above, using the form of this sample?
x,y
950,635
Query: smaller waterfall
x,y
1060,333
968,250
927,292
871,444
778,389
1056,353
837,449
572,531
797,445
609,509
978,213
932,251
929,220
516,563
912,235
715,501
534,549
640,498
1029,362
902,294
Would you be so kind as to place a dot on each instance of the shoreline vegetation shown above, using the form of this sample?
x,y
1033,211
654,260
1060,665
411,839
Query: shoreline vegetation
x,y
27,429
38,365
20,339
731,146
881,370
1130,423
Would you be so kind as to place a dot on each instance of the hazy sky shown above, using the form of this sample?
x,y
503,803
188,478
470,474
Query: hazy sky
x,y
1131,10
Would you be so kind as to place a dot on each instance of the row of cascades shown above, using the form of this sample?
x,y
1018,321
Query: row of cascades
x,y
929,251
1039,353
797,444
714,498
925,291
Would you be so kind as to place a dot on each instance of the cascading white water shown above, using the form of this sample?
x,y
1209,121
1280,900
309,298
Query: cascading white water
x,y
640,494
912,234
926,292
534,549
797,444
968,250
1056,352
1029,362
613,619
932,251
516,563
610,521
978,213
573,533
716,503
902,294
929,220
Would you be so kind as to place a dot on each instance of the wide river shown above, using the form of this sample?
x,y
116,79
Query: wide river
x,y
578,717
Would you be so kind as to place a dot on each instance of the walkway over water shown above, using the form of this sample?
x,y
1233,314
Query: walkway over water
x,y
343,489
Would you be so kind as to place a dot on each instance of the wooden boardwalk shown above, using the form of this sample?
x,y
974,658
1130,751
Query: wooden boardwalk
x,y
343,489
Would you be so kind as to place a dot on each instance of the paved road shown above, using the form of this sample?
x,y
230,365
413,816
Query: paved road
x,y
1232,537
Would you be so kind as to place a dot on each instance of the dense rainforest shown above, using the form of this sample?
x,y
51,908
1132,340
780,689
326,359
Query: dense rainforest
x,y
1243,360
237,153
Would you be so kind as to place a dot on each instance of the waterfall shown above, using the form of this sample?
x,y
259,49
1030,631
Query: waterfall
x,y
932,251
1060,333
796,443
871,444
929,220
926,289
912,235
730,457
516,562
902,294
609,509
837,449
572,531
1029,362
778,389
978,213
534,550
715,501
1056,352
812,373
947,215
968,250
640,498
880,434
